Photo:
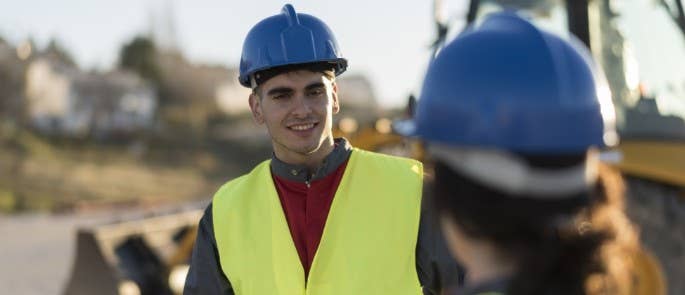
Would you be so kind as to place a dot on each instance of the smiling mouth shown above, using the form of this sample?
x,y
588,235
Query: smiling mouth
x,y
302,127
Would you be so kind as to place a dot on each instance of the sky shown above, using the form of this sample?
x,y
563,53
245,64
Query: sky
x,y
386,41
382,39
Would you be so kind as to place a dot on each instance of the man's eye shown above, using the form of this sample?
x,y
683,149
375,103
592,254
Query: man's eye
x,y
281,96
316,92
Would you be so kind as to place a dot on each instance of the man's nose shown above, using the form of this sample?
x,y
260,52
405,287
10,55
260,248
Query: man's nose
x,y
302,107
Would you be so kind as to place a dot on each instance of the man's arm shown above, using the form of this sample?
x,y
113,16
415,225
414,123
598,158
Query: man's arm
x,y
436,268
205,275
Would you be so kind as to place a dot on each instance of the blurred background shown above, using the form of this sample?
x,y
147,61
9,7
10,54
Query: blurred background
x,y
138,101
119,119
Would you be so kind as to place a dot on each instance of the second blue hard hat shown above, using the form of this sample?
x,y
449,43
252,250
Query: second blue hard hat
x,y
508,85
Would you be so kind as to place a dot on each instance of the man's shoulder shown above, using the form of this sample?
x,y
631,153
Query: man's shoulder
x,y
225,191
386,159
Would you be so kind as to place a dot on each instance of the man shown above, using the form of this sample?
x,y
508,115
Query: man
x,y
320,217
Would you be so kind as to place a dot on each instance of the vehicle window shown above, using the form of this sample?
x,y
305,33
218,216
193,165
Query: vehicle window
x,y
655,56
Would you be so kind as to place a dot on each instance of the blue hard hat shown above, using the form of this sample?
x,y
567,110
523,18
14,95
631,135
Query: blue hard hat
x,y
289,38
506,84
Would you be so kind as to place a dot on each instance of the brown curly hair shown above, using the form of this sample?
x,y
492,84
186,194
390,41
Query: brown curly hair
x,y
577,245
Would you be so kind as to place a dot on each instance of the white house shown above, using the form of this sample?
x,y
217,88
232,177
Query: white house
x,y
62,100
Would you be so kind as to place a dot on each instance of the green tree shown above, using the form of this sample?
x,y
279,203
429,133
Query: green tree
x,y
56,50
140,56
12,73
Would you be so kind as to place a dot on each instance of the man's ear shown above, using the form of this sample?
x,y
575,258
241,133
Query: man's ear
x,y
256,108
334,93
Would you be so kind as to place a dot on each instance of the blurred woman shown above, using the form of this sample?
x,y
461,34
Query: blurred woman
x,y
514,118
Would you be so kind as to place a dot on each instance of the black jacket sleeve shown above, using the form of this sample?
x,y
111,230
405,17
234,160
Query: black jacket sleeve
x,y
205,275
435,266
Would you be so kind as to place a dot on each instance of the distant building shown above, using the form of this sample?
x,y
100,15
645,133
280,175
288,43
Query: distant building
x,y
209,88
356,91
214,88
62,100
231,97
357,99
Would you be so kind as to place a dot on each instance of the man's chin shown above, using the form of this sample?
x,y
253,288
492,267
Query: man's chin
x,y
310,150
307,149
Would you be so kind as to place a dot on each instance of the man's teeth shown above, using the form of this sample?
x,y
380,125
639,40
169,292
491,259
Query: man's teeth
x,y
302,127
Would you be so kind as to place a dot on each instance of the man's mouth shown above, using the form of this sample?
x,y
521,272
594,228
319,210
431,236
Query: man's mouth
x,y
302,127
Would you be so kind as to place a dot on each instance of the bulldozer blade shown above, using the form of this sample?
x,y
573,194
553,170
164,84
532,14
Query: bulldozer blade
x,y
133,256
91,274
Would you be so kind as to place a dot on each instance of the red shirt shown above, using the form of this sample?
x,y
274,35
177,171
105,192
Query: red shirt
x,y
306,209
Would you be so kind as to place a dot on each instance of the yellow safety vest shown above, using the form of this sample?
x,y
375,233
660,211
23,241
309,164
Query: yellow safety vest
x,y
368,243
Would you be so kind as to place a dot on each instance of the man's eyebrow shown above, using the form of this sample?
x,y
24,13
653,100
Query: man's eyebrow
x,y
314,85
279,90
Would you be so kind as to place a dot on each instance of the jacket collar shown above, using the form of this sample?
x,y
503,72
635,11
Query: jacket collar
x,y
341,152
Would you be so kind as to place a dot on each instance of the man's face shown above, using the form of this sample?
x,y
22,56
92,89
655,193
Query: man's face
x,y
297,108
